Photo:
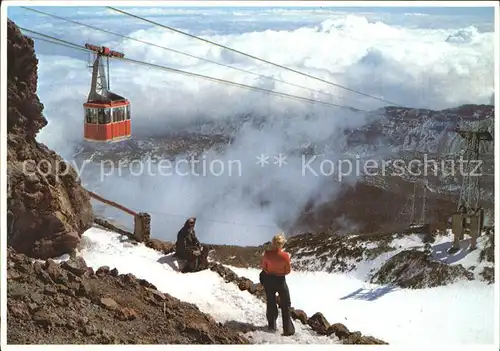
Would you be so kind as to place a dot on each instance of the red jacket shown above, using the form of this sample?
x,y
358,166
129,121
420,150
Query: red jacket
x,y
276,262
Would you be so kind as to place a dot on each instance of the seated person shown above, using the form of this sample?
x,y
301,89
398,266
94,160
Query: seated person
x,y
189,248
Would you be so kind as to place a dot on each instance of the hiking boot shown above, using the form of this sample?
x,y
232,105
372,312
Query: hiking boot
x,y
288,326
271,324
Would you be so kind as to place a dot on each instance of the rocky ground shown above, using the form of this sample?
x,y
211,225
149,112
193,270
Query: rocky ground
x,y
70,304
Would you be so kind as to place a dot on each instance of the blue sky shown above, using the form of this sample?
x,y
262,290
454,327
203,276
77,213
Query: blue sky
x,y
486,12
225,20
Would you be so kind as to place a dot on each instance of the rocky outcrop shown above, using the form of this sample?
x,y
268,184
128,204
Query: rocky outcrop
x,y
488,274
69,303
48,210
414,269
487,255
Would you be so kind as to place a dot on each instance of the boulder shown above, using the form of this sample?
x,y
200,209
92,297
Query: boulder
x,y
77,266
339,330
299,314
245,284
318,323
356,338
102,271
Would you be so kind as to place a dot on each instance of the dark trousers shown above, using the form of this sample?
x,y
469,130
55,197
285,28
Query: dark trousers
x,y
277,284
196,263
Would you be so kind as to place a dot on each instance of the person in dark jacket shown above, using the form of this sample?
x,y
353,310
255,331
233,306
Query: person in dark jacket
x,y
275,266
189,248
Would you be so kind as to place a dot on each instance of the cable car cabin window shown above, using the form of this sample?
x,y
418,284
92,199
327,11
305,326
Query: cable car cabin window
x,y
104,116
127,112
118,114
88,115
121,113
91,115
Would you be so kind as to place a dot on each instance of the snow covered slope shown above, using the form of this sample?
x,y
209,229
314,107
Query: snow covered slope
x,y
361,255
398,316
460,313
225,302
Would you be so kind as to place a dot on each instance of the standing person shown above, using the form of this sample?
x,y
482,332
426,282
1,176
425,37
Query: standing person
x,y
189,248
275,266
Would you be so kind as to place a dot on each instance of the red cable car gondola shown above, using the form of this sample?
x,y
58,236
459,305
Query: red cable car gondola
x,y
107,115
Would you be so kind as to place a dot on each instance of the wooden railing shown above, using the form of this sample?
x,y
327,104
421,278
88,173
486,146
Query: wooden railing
x,y
142,220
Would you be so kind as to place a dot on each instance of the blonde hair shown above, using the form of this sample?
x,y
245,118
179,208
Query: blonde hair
x,y
279,240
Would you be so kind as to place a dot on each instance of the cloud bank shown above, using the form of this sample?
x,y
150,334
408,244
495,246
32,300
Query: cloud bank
x,y
419,67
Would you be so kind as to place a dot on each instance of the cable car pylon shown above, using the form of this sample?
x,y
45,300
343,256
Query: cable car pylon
x,y
107,114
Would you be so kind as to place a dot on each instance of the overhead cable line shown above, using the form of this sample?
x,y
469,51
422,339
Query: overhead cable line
x,y
76,46
208,220
51,41
252,56
181,53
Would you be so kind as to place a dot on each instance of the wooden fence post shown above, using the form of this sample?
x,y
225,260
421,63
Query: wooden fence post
x,y
142,227
142,220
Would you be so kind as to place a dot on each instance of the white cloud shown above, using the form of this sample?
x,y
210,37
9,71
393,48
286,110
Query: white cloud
x,y
416,67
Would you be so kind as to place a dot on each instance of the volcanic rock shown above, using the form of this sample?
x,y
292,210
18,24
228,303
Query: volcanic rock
x,y
48,209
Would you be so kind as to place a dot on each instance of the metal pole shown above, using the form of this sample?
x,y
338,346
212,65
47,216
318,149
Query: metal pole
x,y
412,218
423,204
108,71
